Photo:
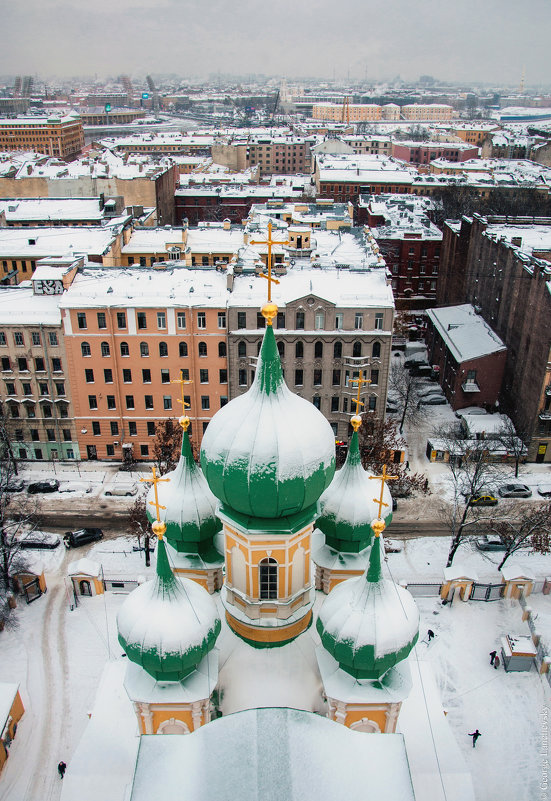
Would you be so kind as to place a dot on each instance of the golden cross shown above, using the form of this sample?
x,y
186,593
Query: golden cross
x,y
182,382
155,479
269,241
383,479
360,381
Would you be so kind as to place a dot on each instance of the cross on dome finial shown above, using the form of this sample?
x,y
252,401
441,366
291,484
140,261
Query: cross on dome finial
x,y
158,526
184,419
269,310
359,381
383,479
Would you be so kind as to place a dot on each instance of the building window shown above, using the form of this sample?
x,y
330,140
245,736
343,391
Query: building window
x,y
299,350
81,320
205,402
38,364
337,350
125,350
150,428
318,350
111,403
222,350
201,320
372,403
345,405
204,376
92,402
121,320
317,378
6,364
241,319
376,352
114,428
142,320
374,376
319,320
132,428
167,402
35,338
110,450
22,365
60,387
127,376
38,453
181,319
280,323
96,428
339,320
358,320
299,321
50,434
108,376
260,320
316,400
223,376
161,320
144,349
34,435
267,578
105,349
299,378
144,450
163,349
242,348
10,388
242,378
89,376
66,435
27,389
14,410
3,340
379,321
335,403
357,349
56,365
148,399
223,400
202,348
102,321
52,338
130,401
221,319
43,388
336,380
146,376
18,338
165,376
85,349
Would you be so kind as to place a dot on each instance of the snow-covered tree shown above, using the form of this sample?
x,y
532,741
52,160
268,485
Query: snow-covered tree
x,y
166,446
521,526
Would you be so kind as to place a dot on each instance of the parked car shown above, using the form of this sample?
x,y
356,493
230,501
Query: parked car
x,y
424,392
48,485
486,543
515,491
15,485
470,410
422,370
122,488
414,362
433,400
40,540
74,486
483,500
83,536
545,490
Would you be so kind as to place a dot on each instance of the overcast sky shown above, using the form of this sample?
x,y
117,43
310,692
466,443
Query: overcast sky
x,y
472,40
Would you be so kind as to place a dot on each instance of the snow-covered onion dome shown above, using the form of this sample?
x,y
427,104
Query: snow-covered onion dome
x,y
268,453
348,506
369,624
168,625
190,506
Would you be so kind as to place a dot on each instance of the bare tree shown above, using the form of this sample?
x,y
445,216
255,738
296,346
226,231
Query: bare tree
x,y
472,472
5,441
139,525
512,441
521,526
166,445
405,390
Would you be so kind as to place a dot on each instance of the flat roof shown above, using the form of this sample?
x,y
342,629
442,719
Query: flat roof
x,y
465,333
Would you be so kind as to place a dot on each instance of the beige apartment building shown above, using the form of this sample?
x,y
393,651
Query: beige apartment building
x,y
61,137
431,112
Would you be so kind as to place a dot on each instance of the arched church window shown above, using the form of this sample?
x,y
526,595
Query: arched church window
x,y
267,578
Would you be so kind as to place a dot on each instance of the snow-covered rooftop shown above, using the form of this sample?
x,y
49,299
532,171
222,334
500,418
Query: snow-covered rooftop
x,y
466,333
45,208
363,169
19,306
34,243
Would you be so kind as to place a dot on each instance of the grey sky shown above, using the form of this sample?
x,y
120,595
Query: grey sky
x,y
472,40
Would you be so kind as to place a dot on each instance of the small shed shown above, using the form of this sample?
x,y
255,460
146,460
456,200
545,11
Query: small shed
x,y
458,582
517,653
517,579
11,712
30,583
85,576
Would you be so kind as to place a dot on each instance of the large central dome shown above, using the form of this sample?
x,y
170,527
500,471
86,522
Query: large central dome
x,y
268,453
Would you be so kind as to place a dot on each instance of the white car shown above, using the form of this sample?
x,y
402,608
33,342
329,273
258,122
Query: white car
x,y
74,486
122,488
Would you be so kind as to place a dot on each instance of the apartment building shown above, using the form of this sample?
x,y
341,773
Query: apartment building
x,y
430,112
344,178
502,266
59,137
347,112
129,334
283,154
420,153
49,212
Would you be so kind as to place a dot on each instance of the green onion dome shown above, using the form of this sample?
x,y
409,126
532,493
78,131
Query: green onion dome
x,y
168,625
369,624
268,453
348,505
190,506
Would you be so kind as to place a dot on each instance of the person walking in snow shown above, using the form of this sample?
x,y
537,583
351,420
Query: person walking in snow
x,y
475,735
430,635
493,655
61,768
496,662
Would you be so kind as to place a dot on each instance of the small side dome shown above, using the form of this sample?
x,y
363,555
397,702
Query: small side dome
x,y
190,506
369,624
348,505
268,453
168,625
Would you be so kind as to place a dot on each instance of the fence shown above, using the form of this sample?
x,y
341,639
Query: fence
x,y
486,592
426,589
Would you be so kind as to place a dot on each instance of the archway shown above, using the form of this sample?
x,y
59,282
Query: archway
x,y
173,726
366,725
85,587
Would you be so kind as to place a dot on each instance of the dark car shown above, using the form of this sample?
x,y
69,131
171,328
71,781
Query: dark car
x,y
411,363
486,543
49,485
73,539
15,485
483,500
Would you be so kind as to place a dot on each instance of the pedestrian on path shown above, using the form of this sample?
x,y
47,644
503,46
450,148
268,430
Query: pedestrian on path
x,y
430,635
496,662
475,735
493,655
61,768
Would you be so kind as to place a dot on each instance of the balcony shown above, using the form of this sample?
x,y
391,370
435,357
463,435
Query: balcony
x,y
470,386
